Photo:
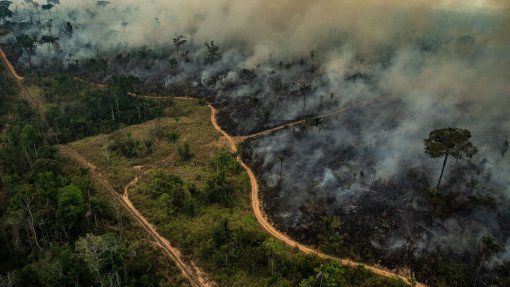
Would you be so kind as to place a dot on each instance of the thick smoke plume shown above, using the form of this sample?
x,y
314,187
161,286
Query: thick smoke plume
x,y
401,68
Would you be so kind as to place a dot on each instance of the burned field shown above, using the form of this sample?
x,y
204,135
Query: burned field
x,y
351,175
336,187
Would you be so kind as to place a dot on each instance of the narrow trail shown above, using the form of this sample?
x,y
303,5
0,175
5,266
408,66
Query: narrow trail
x,y
24,91
10,67
195,276
269,228
147,97
267,132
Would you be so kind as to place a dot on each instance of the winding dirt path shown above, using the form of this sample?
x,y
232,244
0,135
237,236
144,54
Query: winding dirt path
x,y
269,228
19,81
290,124
194,274
147,97
9,66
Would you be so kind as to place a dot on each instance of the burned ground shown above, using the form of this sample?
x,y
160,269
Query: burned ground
x,y
355,183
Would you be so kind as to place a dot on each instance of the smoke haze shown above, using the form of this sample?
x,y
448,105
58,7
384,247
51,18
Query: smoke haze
x,y
402,70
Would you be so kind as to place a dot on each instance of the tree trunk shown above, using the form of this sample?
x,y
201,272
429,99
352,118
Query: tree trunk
x,y
32,226
478,270
29,161
442,170
117,104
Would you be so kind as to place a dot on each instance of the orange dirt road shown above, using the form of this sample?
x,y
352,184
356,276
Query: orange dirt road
x,y
24,92
269,228
195,276
9,66
192,273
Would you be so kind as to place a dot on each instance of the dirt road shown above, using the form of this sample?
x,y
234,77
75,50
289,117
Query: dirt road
x,y
193,273
24,92
9,66
288,125
196,276
268,227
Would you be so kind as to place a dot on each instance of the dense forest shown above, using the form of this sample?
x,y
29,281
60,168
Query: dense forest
x,y
60,229
344,126
76,109
57,228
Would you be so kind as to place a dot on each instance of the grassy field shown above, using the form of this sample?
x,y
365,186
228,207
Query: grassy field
x,y
191,127
223,238
57,260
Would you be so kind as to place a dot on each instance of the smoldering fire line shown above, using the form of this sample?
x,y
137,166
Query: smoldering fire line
x,y
438,64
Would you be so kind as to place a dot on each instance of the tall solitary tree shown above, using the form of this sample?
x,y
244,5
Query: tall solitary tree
x,y
214,51
4,9
47,7
173,137
179,41
305,88
448,142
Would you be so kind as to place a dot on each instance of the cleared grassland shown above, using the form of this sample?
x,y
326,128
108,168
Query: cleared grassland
x,y
194,234
188,233
184,116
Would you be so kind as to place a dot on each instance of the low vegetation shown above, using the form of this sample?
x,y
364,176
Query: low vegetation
x,y
56,228
198,196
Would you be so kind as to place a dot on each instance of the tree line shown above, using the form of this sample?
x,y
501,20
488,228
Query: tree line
x,y
56,229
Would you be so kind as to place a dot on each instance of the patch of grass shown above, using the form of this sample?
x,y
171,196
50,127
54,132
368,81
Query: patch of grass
x,y
220,233
191,127
150,259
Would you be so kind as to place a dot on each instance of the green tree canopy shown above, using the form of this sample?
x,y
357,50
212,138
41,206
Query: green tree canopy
x,y
449,142
71,206
5,12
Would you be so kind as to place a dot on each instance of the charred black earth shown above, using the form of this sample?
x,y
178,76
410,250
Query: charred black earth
x,y
352,178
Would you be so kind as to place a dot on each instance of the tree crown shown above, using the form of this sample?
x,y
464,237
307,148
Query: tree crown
x,y
450,141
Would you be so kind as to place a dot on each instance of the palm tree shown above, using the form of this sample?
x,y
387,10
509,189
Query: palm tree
x,y
179,41
173,137
449,142
316,122
304,88
328,272
214,52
